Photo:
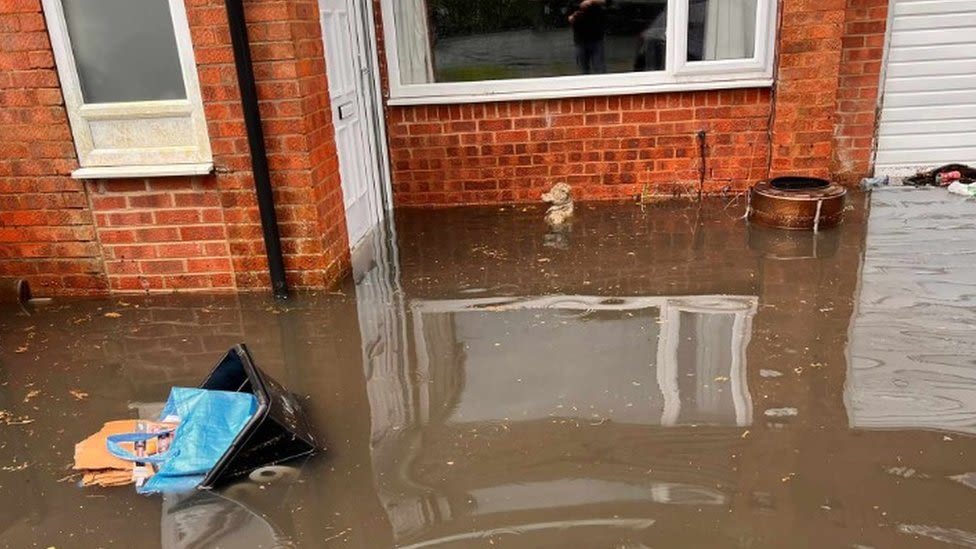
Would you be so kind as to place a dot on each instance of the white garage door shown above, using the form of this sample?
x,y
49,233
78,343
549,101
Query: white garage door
x,y
928,115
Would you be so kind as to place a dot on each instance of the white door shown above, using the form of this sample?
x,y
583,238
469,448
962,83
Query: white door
x,y
928,114
348,67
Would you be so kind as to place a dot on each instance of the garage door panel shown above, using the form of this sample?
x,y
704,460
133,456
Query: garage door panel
x,y
943,22
928,112
926,142
923,7
919,159
918,114
928,53
931,68
934,37
929,98
925,84
929,127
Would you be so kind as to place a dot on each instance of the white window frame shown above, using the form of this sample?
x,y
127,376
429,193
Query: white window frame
x,y
107,160
678,74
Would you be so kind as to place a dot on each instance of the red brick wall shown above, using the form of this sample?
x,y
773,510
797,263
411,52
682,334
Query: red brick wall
x,y
46,231
166,234
289,67
822,113
187,233
617,147
857,98
606,147
806,85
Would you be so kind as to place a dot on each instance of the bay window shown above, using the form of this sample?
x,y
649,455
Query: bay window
x,y
448,51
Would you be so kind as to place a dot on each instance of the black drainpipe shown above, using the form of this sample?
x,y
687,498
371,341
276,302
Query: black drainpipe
x,y
255,140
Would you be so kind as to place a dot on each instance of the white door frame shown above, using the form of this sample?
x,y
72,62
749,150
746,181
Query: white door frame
x,y
355,38
377,114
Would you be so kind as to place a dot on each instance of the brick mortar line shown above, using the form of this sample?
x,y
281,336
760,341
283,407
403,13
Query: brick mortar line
x,y
101,246
154,226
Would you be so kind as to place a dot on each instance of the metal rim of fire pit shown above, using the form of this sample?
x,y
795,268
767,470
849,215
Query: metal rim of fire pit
x,y
797,203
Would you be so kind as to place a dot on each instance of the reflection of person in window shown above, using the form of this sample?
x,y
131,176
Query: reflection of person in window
x,y
651,45
589,22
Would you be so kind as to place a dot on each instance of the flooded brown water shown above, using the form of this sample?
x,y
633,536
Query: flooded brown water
x,y
665,377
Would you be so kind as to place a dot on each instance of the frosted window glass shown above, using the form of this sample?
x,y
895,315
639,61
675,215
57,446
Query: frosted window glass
x,y
125,50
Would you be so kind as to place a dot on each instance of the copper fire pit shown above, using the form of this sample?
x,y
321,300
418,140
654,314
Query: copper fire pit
x,y
797,203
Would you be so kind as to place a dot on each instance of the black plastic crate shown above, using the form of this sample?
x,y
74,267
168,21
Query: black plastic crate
x,y
278,431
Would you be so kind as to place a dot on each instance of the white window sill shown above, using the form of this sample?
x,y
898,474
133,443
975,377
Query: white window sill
x,y
556,93
117,172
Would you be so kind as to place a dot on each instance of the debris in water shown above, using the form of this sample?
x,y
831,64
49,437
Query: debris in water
x,y
781,412
962,189
113,315
942,176
969,479
16,467
78,394
745,433
874,182
9,419
22,349
339,535
70,477
770,373
904,472
31,394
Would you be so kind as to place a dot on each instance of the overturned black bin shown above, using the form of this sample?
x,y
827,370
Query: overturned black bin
x,y
278,431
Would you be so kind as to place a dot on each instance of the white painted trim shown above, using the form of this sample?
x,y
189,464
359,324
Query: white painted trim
x,y
167,170
181,27
879,100
141,109
383,152
68,73
679,75
560,93
760,62
81,115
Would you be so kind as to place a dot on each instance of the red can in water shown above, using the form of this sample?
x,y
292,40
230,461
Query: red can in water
x,y
945,178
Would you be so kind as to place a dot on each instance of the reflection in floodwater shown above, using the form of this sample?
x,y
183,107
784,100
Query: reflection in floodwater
x,y
913,350
553,365
663,378
200,520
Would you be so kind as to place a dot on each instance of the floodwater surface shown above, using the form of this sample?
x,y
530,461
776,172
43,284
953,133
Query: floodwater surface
x,y
664,376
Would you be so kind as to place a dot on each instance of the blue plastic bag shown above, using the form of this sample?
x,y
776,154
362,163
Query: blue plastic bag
x,y
209,423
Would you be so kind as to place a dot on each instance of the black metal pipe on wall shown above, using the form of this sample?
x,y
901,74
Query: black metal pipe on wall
x,y
255,140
